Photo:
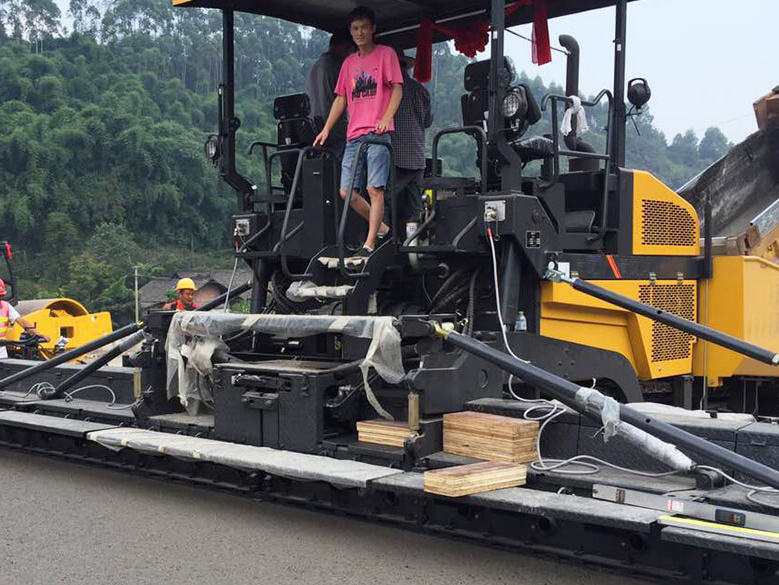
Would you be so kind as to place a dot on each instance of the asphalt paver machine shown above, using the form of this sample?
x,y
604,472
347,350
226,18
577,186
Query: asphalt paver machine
x,y
607,266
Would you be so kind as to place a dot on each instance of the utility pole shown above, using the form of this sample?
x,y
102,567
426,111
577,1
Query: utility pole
x,y
137,298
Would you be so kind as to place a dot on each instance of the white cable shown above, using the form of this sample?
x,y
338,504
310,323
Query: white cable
x,y
230,286
556,410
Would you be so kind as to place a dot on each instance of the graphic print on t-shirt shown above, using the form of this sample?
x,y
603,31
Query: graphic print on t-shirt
x,y
364,86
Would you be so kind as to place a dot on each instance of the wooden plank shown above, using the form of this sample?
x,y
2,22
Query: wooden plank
x,y
490,437
475,478
383,432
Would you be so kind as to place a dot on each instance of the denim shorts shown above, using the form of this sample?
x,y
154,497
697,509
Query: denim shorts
x,y
378,158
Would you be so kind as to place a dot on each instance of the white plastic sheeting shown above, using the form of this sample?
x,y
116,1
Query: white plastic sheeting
x,y
194,336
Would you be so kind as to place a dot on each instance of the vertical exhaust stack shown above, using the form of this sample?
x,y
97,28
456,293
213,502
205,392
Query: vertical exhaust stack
x,y
572,141
571,45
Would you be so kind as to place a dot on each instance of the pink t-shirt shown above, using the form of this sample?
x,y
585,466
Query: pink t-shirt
x,y
366,82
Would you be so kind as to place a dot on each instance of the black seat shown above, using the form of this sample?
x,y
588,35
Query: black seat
x,y
534,148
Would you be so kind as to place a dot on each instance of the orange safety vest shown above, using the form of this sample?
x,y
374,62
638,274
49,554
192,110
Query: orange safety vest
x,y
179,306
4,309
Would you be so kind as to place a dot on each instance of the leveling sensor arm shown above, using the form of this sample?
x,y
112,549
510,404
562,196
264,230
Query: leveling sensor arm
x,y
716,337
589,402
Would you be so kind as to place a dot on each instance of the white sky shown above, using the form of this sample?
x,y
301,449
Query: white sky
x,y
706,61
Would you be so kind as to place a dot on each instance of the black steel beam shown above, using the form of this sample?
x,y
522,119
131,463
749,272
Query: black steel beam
x,y
565,391
619,121
228,123
72,354
717,337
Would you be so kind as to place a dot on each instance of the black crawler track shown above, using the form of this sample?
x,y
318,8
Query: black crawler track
x,y
626,551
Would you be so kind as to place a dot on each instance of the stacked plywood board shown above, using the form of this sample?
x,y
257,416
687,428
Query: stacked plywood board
x,y
465,480
490,437
383,432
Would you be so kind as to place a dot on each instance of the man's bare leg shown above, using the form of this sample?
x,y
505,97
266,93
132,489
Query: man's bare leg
x,y
376,213
369,212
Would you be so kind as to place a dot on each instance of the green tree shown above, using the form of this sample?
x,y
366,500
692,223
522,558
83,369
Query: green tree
x,y
714,145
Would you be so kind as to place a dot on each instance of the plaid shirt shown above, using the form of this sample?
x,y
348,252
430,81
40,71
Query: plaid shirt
x,y
411,119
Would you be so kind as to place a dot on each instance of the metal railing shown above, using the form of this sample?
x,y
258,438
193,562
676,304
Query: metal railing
x,y
558,152
479,134
285,236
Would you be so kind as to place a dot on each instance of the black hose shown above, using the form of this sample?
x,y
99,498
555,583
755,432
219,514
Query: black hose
x,y
278,289
469,314
450,298
445,287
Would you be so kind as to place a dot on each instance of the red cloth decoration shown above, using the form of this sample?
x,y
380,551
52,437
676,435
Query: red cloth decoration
x,y
473,37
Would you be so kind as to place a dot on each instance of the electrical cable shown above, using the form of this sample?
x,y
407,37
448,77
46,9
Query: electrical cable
x,y
532,42
230,286
556,409
39,387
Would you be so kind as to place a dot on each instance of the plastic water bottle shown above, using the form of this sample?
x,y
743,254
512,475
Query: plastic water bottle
x,y
521,322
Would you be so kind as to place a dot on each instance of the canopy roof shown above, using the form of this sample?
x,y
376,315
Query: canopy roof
x,y
397,20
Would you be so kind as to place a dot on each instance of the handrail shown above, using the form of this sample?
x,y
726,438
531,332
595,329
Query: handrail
x,y
478,133
557,152
283,236
464,130
421,228
347,204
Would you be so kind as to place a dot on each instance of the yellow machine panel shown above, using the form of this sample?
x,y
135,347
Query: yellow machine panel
x,y
742,299
664,224
56,318
655,350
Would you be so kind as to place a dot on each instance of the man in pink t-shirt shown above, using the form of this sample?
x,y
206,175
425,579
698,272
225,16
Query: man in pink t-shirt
x,y
369,84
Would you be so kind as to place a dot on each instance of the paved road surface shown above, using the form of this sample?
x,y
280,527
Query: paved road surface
x,y
66,523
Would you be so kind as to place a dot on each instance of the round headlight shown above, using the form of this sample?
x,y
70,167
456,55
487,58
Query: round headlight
x,y
212,148
511,104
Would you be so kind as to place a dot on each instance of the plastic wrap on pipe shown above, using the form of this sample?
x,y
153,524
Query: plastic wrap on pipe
x,y
596,403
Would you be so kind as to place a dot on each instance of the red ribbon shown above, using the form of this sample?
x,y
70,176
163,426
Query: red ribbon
x,y
472,38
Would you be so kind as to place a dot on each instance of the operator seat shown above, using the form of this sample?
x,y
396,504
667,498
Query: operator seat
x,y
295,128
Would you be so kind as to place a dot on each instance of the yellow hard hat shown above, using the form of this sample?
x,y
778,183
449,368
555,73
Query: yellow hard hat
x,y
185,283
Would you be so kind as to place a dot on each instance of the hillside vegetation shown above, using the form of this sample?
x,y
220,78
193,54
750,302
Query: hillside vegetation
x,y
101,152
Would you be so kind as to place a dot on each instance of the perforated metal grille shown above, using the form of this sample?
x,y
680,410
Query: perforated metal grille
x,y
669,343
664,223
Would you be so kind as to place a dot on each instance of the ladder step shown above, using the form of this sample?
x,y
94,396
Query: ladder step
x,y
349,262
304,290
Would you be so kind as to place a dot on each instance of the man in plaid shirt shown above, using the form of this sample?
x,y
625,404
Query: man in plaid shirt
x,y
408,144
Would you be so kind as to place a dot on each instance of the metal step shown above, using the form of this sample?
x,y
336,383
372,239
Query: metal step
x,y
308,290
350,262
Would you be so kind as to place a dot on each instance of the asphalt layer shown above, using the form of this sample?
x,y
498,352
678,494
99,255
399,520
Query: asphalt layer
x,y
62,522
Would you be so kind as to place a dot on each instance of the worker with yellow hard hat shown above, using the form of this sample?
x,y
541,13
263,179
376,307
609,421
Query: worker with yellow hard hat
x,y
185,297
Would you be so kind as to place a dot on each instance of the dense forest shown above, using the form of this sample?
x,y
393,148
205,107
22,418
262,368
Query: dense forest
x,y
101,158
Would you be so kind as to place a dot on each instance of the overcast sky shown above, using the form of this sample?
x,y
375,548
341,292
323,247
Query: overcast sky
x,y
706,61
